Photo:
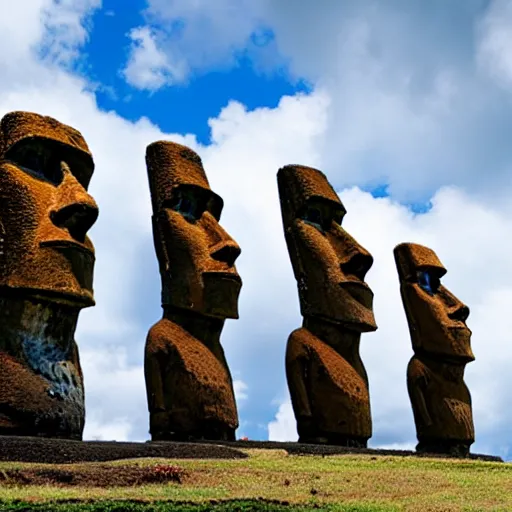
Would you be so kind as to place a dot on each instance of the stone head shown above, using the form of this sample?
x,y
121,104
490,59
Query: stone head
x,y
45,210
437,319
196,255
329,265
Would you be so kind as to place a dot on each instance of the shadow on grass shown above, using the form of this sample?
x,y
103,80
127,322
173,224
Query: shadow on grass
x,y
221,506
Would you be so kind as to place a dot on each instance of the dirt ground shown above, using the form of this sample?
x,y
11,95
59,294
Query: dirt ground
x,y
96,475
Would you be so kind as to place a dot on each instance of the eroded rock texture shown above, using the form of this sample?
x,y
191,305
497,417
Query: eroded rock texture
x,y
46,274
189,386
326,377
440,399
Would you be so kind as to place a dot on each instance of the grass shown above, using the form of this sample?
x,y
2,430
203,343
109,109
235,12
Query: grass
x,y
334,483
226,506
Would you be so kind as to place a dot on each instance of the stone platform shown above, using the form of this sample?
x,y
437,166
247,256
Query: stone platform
x,y
58,451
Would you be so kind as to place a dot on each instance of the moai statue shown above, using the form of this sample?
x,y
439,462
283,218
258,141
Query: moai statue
x,y
46,274
440,399
188,383
326,377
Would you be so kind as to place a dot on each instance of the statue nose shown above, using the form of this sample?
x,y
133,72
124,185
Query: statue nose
x,y
460,313
228,252
358,265
77,218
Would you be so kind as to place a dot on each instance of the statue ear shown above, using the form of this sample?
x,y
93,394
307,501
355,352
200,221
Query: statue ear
x,y
405,289
298,269
295,256
158,220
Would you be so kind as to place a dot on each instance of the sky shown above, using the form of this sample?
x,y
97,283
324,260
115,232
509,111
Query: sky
x,y
406,106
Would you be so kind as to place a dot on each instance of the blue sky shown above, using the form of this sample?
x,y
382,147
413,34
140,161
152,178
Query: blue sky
x,y
407,107
186,107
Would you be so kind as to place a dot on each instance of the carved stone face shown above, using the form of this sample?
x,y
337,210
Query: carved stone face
x,y
196,256
329,265
45,210
437,319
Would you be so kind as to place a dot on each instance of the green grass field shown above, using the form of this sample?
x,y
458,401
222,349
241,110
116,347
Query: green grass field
x,y
284,482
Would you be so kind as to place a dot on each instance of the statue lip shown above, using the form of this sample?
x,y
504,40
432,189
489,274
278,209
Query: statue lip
x,y
457,326
359,291
231,276
66,245
446,357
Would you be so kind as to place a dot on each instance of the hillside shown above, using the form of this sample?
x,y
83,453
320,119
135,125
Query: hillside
x,y
283,480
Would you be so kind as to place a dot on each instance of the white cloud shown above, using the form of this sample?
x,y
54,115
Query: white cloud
x,y
182,37
20,29
115,394
397,93
240,388
66,28
283,428
55,29
408,105
116,431
148,66
495,42
398,446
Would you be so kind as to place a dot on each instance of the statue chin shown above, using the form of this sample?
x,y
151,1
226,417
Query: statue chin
x,y
72,296
360,320
78,301
57,274
221,291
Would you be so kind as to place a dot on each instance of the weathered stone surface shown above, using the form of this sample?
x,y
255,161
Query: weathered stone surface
x,y
326,377
46,274
189,386
441,342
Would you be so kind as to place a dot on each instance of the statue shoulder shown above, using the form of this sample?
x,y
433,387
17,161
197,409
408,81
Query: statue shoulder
x,y
166,336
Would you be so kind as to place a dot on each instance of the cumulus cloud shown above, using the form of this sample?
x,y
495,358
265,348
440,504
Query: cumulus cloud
x,y
21,28
66,24
183,37
398,93
240,388
283,428
409,107
149,67
111,431
110,382
495,42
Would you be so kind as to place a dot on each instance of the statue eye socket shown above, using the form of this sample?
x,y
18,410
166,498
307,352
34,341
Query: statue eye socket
x,y
38,159
185,206
188,206
33,160
313,216
428,282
